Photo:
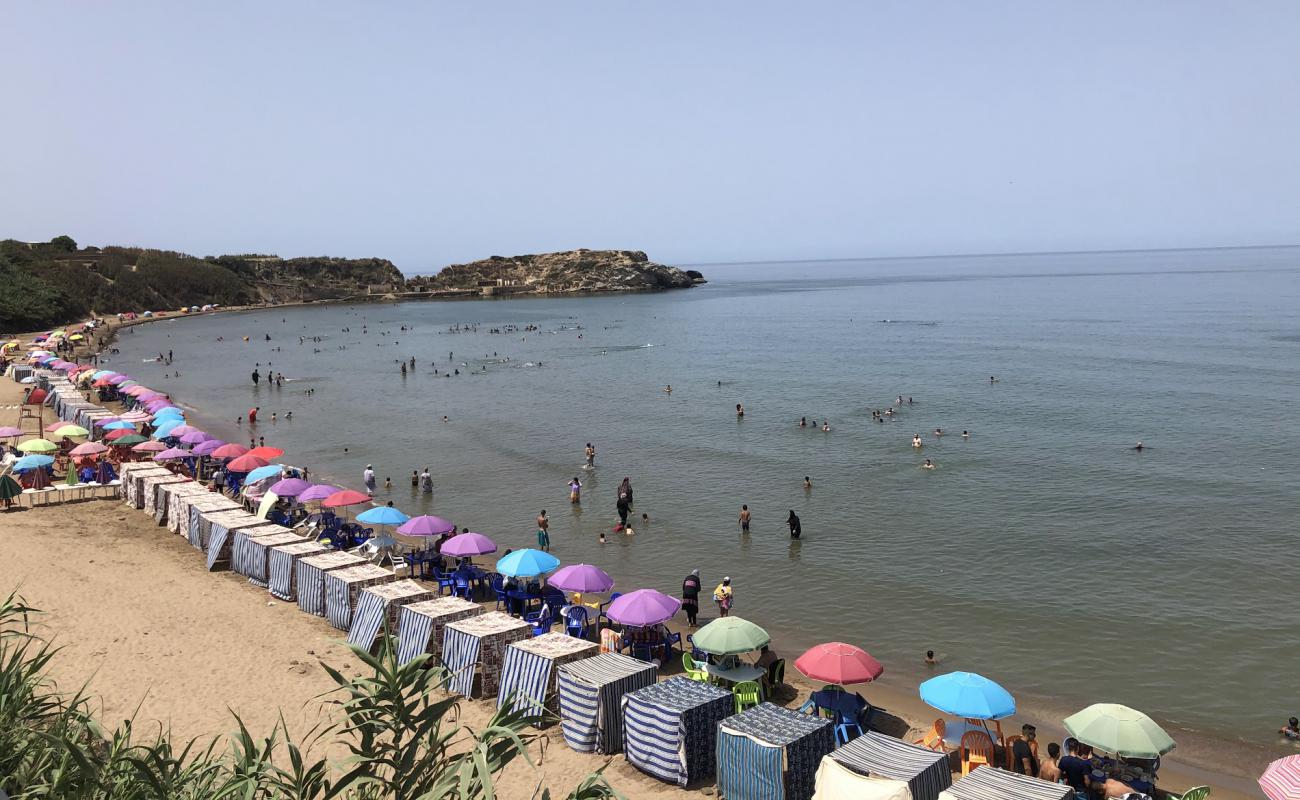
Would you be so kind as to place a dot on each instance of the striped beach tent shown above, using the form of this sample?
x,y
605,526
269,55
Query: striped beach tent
x,y
221,527
420,625
311,577
771,753
343,589
669,728
377,604
837,782
991,783
528,672
476,646
178,505
591,699
925,771
248,552
199,505
282,567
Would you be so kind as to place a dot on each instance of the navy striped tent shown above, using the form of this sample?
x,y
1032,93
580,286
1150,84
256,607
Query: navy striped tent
x,y
249,551
311,577
343,589
991,783
771,753
479,642
925,771
591,699
281,567
221,533
178,504
378,603
670,728
528,672
420,625
209,502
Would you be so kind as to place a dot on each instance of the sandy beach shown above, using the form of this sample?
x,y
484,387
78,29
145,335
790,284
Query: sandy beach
x,y
157,636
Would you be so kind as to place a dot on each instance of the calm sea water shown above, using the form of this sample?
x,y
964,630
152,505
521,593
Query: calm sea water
x,y
1043,551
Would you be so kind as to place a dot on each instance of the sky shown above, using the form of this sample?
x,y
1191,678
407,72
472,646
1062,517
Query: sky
x,y
432,133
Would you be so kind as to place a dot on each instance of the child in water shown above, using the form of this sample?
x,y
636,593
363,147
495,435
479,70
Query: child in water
x,y
575,490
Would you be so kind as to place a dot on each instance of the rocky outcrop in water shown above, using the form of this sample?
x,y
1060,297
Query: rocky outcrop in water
x,y
570,271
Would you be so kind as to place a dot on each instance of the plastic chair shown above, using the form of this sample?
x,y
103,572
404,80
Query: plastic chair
x,y
696,653
847,712
976,751
671,639
1009,747
445,581
933,738
693,670
575,622
747,695
499,586
1195,793
540,620
460,587
775,676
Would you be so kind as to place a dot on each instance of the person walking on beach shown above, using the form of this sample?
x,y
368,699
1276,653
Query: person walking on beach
x,y
591,456
723,597
575,490
744,519
691,597
543,532
368,478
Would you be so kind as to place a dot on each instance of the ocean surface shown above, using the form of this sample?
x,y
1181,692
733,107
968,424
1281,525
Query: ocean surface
x,y
1043,551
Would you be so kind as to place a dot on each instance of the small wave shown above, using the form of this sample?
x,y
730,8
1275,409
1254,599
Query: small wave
x,y
927,323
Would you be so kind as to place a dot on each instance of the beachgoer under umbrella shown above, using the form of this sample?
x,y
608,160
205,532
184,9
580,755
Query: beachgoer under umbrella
x,y
796,527
691,597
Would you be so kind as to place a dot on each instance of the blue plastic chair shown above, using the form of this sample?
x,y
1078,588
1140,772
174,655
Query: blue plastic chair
x,y
575,622
540,620
696,653
445,581
461,587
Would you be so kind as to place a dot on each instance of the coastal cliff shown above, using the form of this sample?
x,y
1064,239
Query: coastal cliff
x,y
568,271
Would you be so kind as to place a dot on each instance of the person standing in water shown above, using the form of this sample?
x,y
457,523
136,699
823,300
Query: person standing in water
x,y
591,456
575,490
256,376
796,527
691,597
543,532
623,507
740,411
625,490
744,519
724,597
368,478
426,482
916,440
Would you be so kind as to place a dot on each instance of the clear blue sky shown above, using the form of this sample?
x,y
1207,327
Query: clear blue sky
x,y
431,133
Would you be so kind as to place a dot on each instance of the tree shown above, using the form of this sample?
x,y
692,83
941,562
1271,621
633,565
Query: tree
x,y
65,243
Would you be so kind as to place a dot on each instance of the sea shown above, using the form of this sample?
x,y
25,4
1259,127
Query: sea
x,y
1043,550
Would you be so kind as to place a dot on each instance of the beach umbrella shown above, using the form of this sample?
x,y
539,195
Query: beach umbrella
x,y
9,432
320,491
119,433
428,525
729,636
37,446
839,663
581,578
1119,731
464,544
184,428
102,421
136,417
119,425
207,448
526,563
289,487
269,499
72,431
171,454
149,447
266,452
167,409
129,440
33,462
382,515
9,489
269,471
1281,781
968,695
193,437
229,451
643,607
345,497
245,463
89,449
36,397
54,426
116,379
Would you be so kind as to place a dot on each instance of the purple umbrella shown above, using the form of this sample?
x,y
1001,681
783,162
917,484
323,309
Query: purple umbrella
x,y
318,492
427,525
205,448
102,421
580,578
643,607
116,379
193,437
149,396
467,544
290,487
172,453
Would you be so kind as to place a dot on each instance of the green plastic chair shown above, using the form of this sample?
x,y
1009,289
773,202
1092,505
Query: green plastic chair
x,y
692,671
747,694
1195,793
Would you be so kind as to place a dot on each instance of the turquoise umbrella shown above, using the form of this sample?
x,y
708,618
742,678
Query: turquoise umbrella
x,y
33,462
164,428
270,470
967,695
527,563
382,515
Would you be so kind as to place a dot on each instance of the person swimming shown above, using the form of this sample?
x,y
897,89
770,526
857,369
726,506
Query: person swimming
x,y
916,440
803,422
928,464
938,431
992,379
1139,447
668,389
965,434
807,482
826,426
740,411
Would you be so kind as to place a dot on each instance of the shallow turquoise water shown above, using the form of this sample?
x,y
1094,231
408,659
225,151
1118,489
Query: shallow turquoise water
x,y
1043,551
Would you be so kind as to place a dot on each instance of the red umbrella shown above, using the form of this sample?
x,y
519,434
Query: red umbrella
x,y
36,397
266,452
839,663
347,497
229,451
118,434
245,463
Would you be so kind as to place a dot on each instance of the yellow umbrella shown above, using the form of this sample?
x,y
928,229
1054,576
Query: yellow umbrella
x,y
37,446
76,337
71,431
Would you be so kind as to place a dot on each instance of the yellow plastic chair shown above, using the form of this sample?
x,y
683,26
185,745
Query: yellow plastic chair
x,y
748,694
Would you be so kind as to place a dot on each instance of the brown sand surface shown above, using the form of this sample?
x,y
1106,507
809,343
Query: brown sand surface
x,y
157,636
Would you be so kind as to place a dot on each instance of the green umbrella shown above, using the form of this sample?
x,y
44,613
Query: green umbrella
x,y
1119,731
729,636
9,489
127,441
72,431
37,446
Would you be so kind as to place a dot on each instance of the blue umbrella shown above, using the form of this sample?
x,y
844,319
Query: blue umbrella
x,y
382,515
118,425
967,695
164,428
527,563
169,412
269,471
34,461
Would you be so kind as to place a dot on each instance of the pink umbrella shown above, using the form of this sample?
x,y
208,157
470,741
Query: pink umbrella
x,y
229,451
171,454
58,423
9,432
466,544
136,416
317,492
149,447
573,578
102,421
118,434
428,525
116,379
347,497
1281,781
137,390
206,448
89,449
839,663
245,463
182,429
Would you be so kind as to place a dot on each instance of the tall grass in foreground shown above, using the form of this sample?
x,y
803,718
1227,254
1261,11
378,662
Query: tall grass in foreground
x,y
402,737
